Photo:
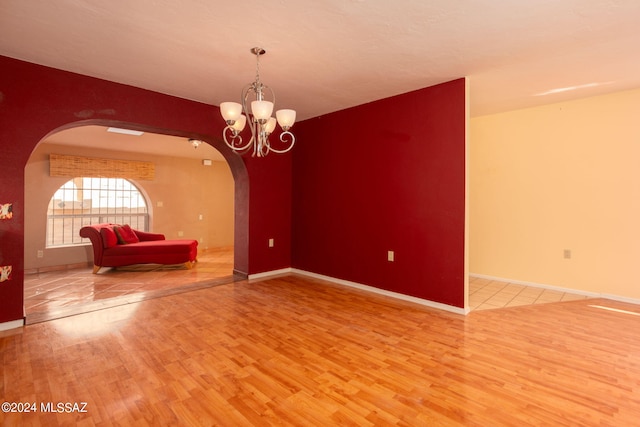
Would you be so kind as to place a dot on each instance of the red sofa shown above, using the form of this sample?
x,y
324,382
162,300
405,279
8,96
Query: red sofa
x,y
117,245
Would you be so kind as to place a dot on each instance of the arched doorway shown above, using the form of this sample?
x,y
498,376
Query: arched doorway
x,y
176,200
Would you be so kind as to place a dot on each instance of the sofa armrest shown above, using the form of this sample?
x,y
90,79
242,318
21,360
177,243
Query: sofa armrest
x,y
93,234
146,236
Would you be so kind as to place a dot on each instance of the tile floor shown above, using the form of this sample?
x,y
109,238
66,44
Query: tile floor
x,y
57,294
485,294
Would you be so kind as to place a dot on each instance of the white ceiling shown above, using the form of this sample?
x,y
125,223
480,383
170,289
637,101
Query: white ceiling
x,y
327,55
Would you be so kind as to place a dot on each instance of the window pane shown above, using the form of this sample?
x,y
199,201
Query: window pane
x,y
83,201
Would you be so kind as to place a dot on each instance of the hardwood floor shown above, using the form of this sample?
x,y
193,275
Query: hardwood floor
x,y
61,293
299,351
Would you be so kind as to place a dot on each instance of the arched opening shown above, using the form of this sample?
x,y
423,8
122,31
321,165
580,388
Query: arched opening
x,y
179,205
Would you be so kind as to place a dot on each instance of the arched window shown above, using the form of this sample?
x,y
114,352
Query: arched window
x,y
82,201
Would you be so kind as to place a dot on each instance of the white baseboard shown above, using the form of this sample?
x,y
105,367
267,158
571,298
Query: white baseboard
x,y
559,288
270,273
13,324
409,298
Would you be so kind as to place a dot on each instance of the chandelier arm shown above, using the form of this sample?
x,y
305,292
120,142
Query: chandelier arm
x,y
235,139
250,120
283,138
262,146
273,95
256,149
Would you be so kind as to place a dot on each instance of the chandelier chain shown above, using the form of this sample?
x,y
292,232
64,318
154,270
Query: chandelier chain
x,y
257,68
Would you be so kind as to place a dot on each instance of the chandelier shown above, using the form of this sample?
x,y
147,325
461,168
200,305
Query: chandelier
x,y
258,117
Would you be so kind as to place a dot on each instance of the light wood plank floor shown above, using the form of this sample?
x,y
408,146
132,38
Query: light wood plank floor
x,y
297,351
60,293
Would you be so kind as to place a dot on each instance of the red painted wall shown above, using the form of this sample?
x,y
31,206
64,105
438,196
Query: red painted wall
x,y
361,184
273,221
388,175
36,100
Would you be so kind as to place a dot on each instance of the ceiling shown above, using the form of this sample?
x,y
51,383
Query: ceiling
x,y
100,137
327,55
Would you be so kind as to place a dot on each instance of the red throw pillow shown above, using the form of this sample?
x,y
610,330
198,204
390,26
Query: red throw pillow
x,y
109,238
126,235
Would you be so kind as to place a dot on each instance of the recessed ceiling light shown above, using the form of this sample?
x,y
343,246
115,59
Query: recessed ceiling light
x,y
125,131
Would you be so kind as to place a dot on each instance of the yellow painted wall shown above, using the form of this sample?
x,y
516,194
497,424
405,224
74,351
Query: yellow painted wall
x,y
556,177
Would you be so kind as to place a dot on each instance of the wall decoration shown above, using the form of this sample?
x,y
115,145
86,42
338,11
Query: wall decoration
x,y
5,273
6,211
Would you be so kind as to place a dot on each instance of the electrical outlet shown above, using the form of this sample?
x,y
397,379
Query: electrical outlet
x,y
391,256
567,254
271,243
180,233
40,254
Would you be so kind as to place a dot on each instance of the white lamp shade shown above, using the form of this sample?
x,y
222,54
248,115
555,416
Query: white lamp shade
x,y
239,124
270,125
262,109
230,110
286,118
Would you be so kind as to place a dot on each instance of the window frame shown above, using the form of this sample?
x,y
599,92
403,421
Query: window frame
x,y
118,200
